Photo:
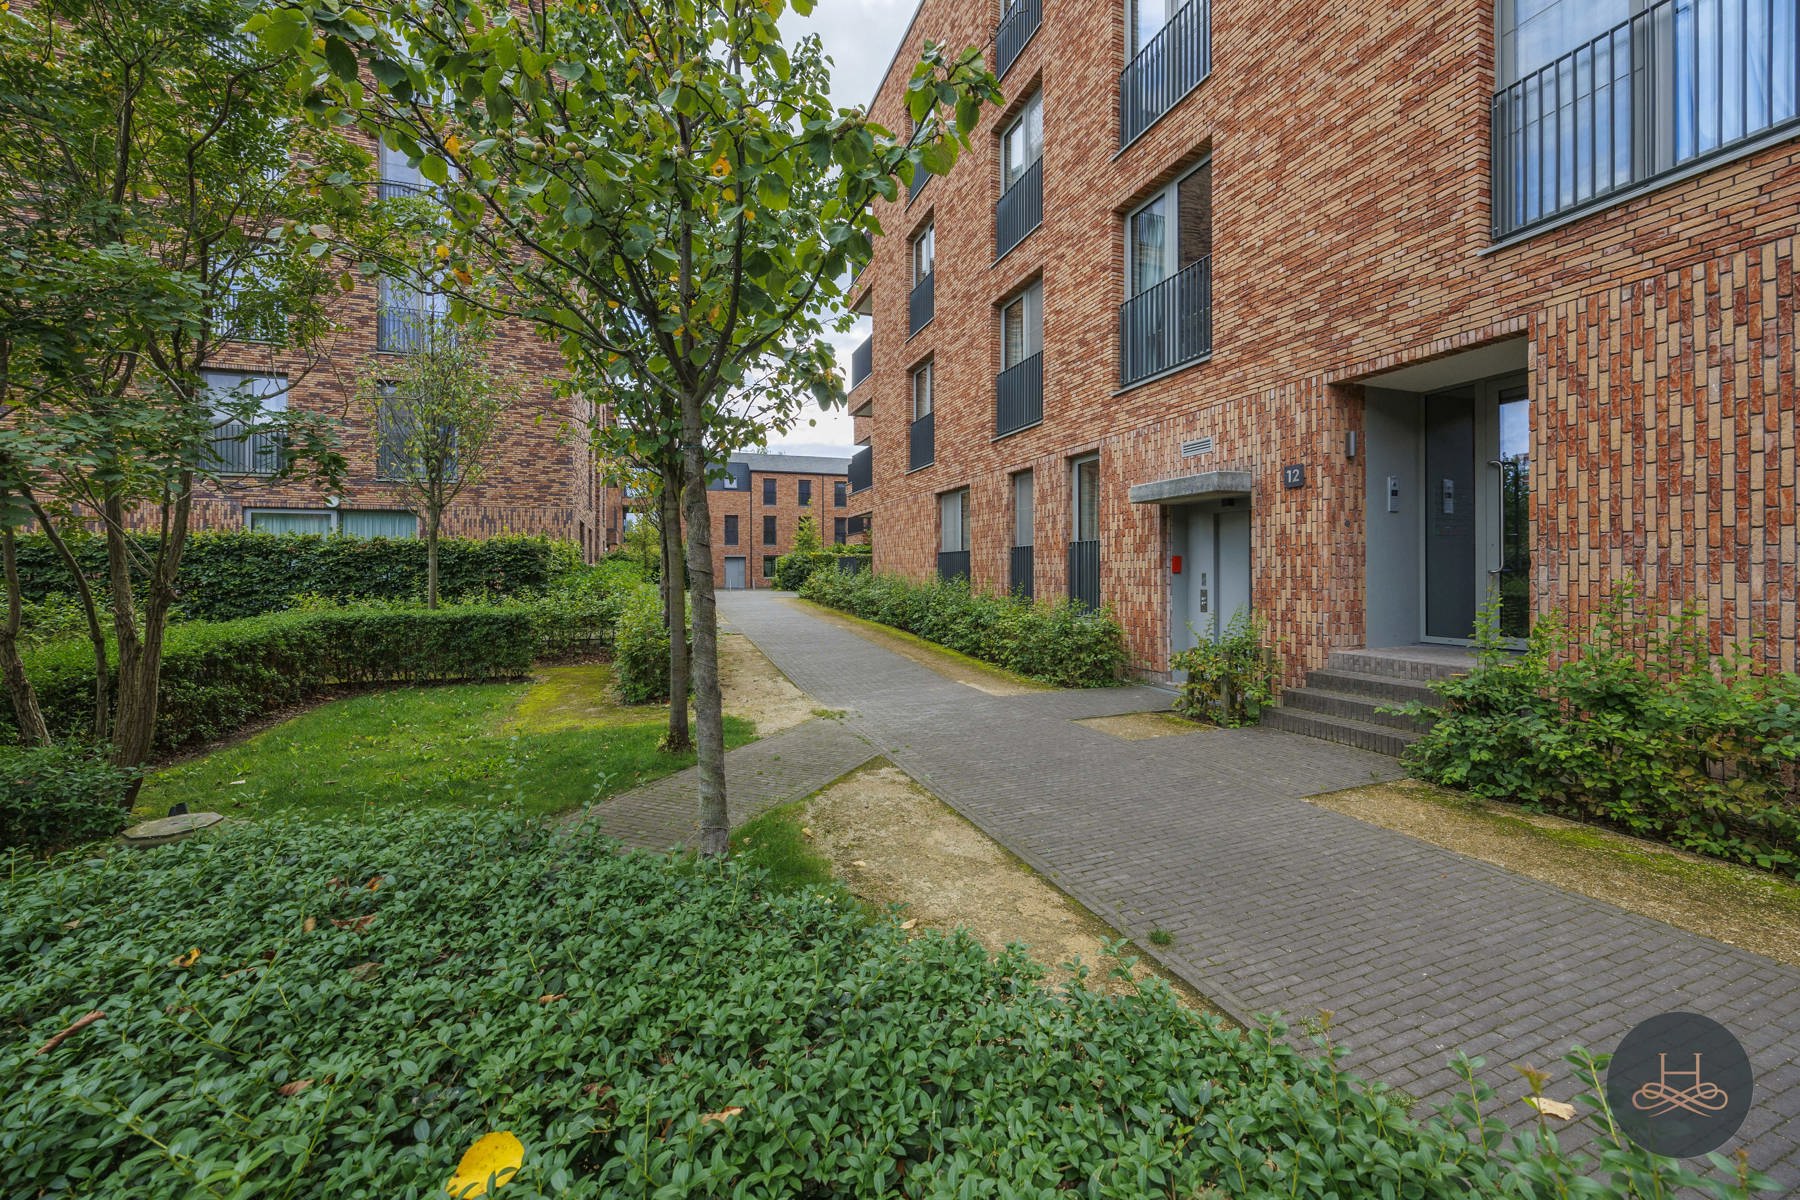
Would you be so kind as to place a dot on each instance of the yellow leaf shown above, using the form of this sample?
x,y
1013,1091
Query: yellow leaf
x,y
442,252
186,960
453,145
720,1117
552,997
909,922
308,925
295,1087
495,1156
1552,1108
463,277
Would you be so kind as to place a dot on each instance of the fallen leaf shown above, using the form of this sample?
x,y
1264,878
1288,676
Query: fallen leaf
x,y
184,961
551,998
720,1117
294,1088
75,924
495,1156
857,862
1552,1108
909,922
236,782
78,1024
597,1090
357,923
374,883
366,970
308,925
805,832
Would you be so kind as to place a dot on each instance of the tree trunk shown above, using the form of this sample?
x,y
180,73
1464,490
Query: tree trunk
x,y
30,718
679,738
90,609
715,823
432,520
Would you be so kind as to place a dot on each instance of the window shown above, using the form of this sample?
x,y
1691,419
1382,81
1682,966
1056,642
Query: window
x,y
768,489
805,493
953,521
840,530
1022,142
1147,20
839,491
264,520
1024,508
250,309
398,177
374,523
731,531
921,392
924,255
1171,232
768,531
407,314
237,446
768,566
358,523
1022,327
1086,501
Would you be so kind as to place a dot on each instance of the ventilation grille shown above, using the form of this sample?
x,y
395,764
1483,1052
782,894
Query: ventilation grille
x,y
1196,447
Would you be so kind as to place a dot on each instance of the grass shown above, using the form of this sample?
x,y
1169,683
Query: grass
x,y
543,747
777,843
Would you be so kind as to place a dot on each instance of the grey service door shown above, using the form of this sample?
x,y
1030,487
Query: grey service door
x,y
734,573
1214,584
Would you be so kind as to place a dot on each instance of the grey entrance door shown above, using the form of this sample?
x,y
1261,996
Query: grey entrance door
x,y
734,573
1451,533
1213,586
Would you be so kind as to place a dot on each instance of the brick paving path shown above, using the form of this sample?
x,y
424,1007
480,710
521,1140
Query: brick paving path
x,y
1275,904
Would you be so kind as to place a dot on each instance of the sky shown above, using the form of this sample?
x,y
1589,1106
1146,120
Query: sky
x,y
859,37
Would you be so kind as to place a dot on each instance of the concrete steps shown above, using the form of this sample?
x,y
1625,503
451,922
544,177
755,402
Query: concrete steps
x,y
1343,702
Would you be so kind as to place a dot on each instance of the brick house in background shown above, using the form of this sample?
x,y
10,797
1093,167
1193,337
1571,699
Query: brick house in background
x,y
1354,316
543,480
757,505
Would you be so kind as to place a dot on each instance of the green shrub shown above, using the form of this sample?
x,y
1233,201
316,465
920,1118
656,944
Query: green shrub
x,y
1636,725
1229,680
225,576
339,1010
793,570
1062,644
219,676
60,796
641,648
51,618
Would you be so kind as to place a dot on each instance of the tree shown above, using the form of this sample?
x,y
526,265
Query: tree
x,y
437,418
151,145
665,187
806,536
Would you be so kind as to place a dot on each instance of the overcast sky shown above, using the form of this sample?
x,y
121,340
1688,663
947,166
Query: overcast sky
x,y
859,37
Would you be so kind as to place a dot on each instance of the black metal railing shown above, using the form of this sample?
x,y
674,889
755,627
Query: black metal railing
x,y
1020,20
852,564
234,321
921,304
394,189
1023,581
862,360
1084,573
406,330
857,526
1166,325
861,470
1019,396
237,448
921,443
1019,210
920,178
1170,66
953,564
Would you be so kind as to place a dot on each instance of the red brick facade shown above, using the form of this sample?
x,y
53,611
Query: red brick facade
x,y
1351,240
745,506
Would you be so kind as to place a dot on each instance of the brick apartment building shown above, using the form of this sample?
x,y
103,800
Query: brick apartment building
x,y
757,505
543,480
1353,315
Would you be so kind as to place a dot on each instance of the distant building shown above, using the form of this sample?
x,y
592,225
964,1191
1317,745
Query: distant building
x,y
757,506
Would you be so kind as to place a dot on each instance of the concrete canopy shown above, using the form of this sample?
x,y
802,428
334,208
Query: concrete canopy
x,y
1208,485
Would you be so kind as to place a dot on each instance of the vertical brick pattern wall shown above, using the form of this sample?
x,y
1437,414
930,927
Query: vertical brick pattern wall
x,y
1351,237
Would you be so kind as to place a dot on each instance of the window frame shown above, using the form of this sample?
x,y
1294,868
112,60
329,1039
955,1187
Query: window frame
x,y
771,530
1171,248
1030,301
803,493
840,493
927,238
1077,493
729,535
1033,107
924,369
768,483
1024,503
961,497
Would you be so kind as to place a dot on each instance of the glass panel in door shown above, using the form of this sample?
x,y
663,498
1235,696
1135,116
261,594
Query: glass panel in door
x,y
1514,461
1451,534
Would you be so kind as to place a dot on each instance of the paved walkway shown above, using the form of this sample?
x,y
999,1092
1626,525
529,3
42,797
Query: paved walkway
x,y
1276,904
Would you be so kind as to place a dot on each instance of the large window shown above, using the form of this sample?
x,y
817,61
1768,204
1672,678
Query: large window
x,y
804,495
953,521
1022,327
731,531
768,531
1024,508
924,255
1166,319
398,177
358,523
408,314
921,392
1085,510
768,489
840,489
238,445
1170,232
1147,20
1022,142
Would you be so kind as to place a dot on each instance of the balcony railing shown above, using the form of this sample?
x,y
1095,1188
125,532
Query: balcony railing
x,y
1023,581
1084,573
236,322
921,177
953,564
393,189
1019,210
1020,20
1170,65
862,360
237,449
861,471
1167,325
1019,396
921,443
407,330
1676,84
921,304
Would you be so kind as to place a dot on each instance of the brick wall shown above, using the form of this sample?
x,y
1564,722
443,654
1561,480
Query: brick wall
x,y
748,507
1351,237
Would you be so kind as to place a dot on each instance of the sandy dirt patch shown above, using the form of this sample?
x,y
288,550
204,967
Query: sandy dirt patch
x,y
1142,726
892,842
758,692
1718,900
948,663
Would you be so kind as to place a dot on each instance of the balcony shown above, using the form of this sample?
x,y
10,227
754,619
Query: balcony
x,y
921,304
393,189
405,330
1675,85
1019,210
1084,573
1170,66
920,178
1019,396
236,448
861,471
862,361
1020,20
953,564
1167,325
1023,581
921,450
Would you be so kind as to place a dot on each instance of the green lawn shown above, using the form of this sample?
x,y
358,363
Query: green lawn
x,y
545,747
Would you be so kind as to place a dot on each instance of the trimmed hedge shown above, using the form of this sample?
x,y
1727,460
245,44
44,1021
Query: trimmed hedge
x,y
1062,644
59,796
793,570
641,648
226,576
219,676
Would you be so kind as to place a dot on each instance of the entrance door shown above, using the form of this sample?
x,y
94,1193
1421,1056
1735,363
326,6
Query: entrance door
x,y
1213,541
1477,494
734,573
1451,532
